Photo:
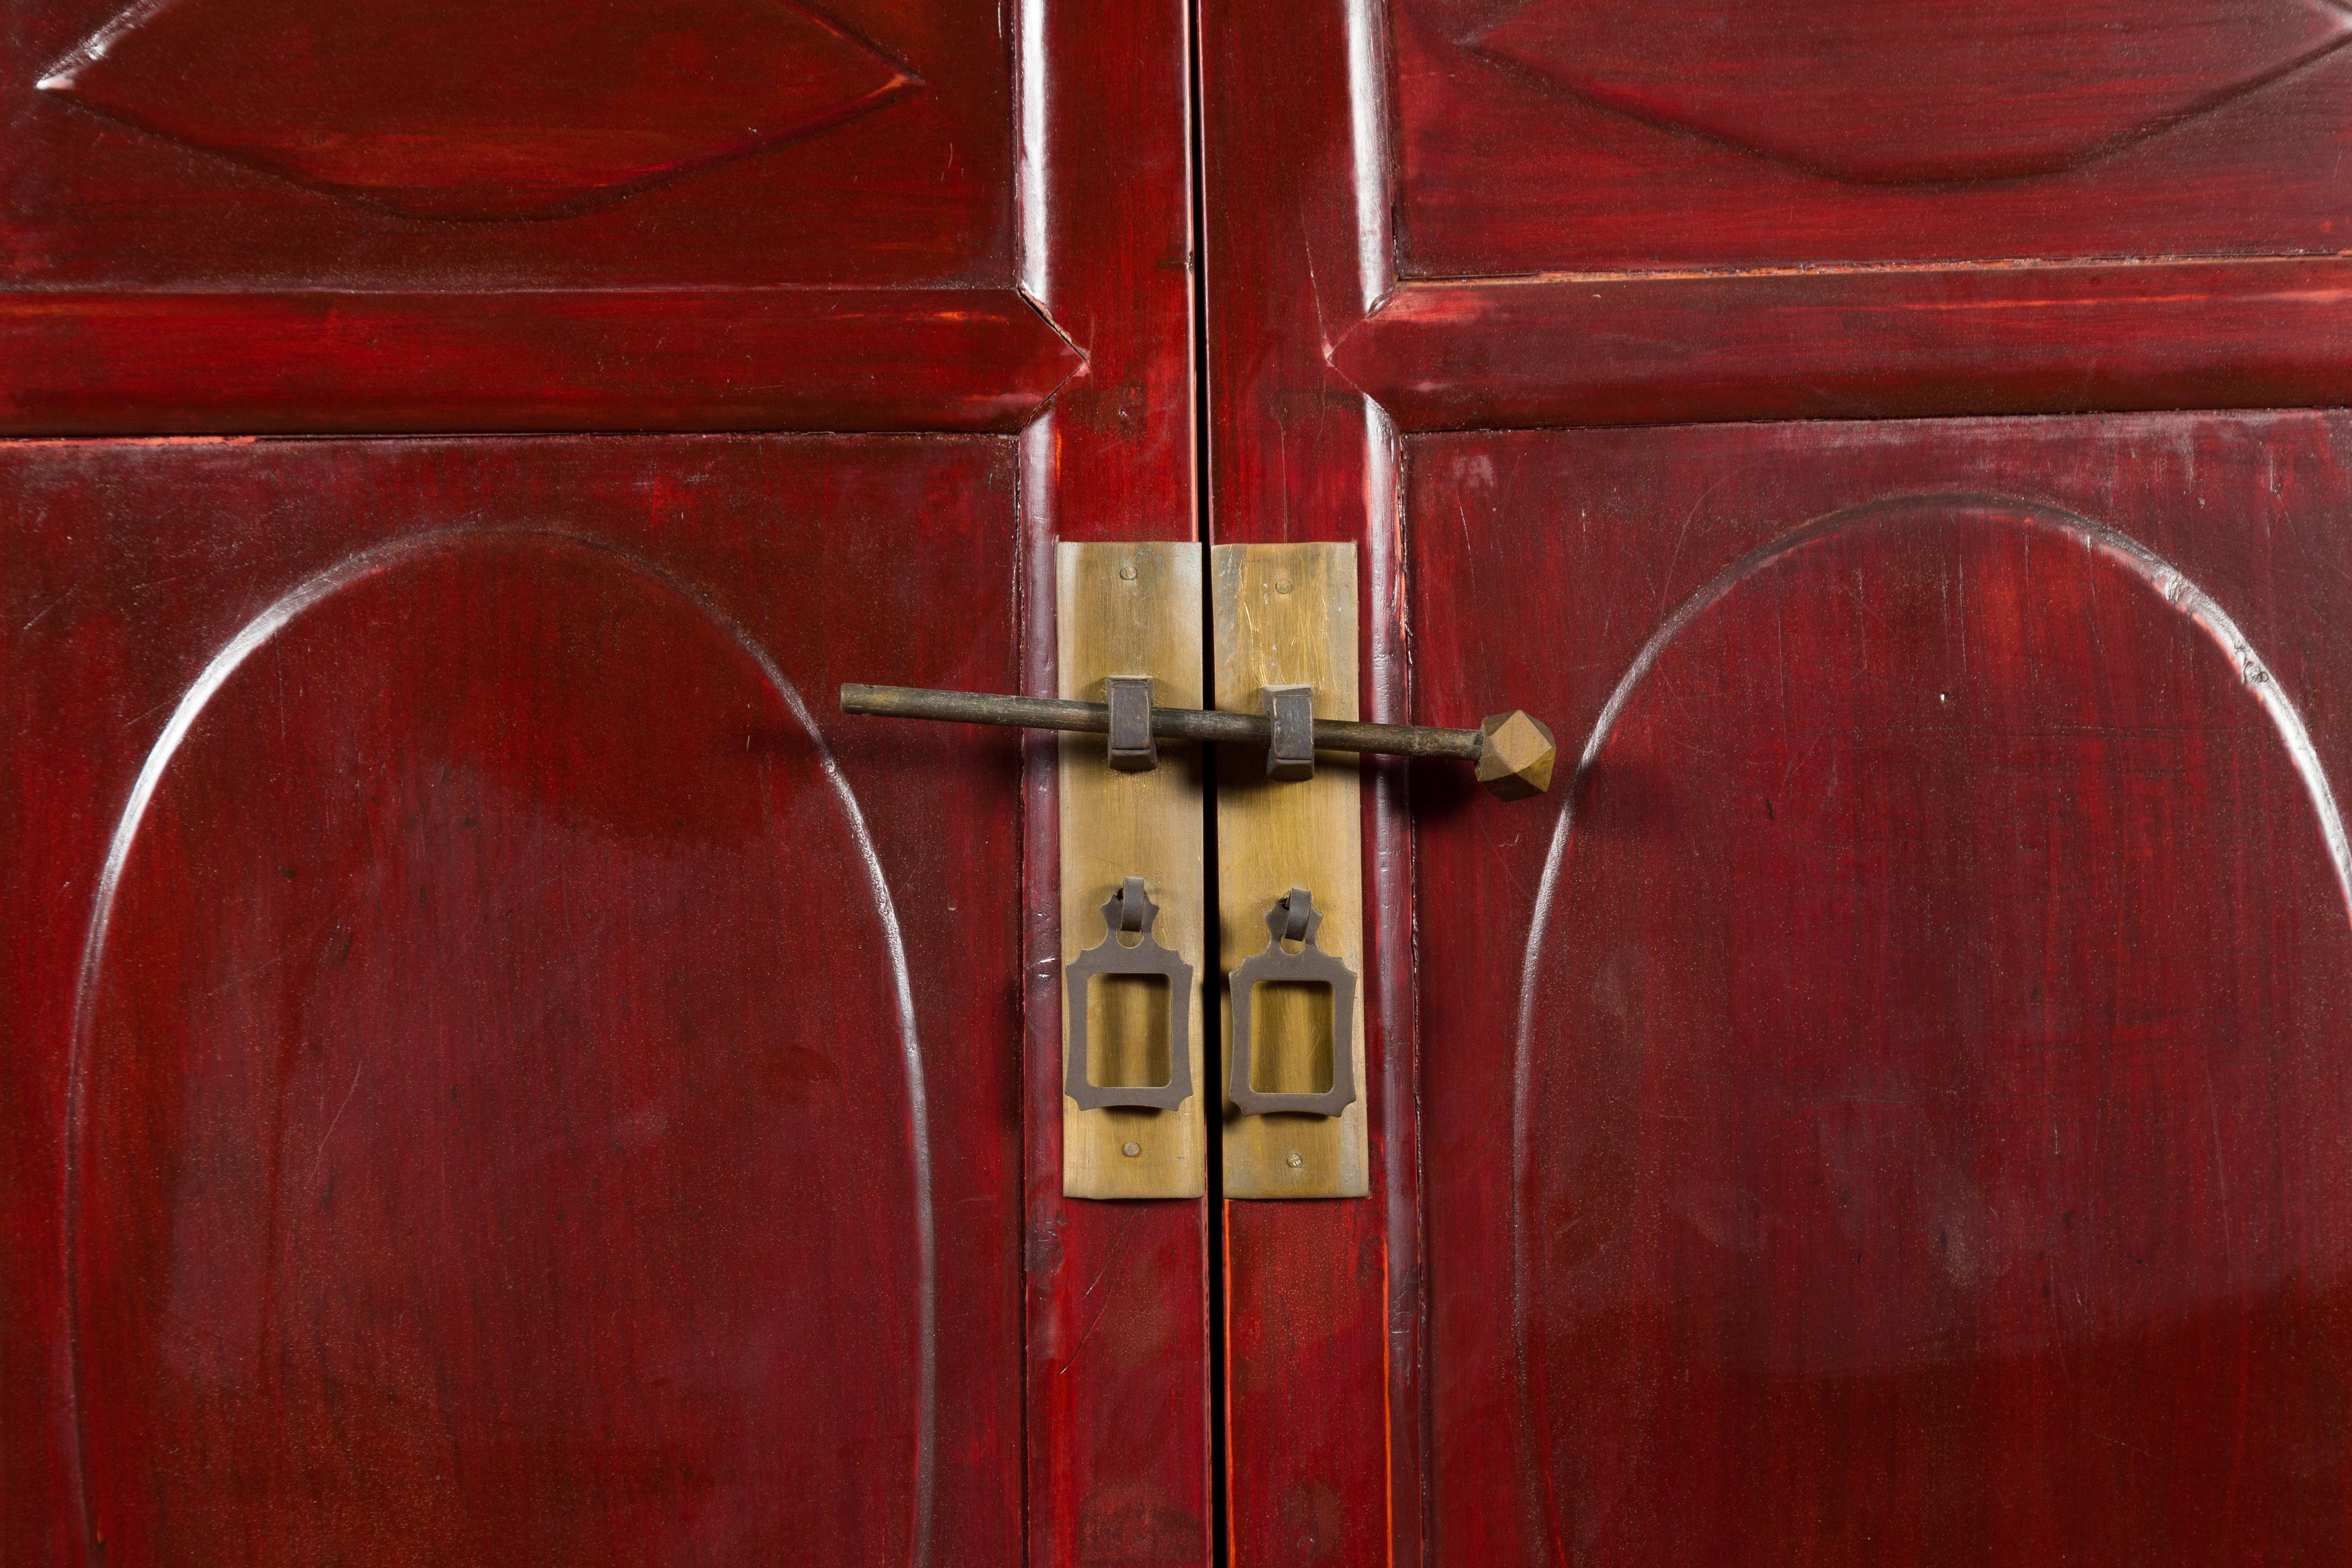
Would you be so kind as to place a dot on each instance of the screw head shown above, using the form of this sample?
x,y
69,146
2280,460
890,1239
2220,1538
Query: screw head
x,y
1131,1149
1126,573
1294,1159
1282,585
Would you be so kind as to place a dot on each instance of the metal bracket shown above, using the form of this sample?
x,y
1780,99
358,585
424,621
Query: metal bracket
x,y
1133,748
1290,746
1130,911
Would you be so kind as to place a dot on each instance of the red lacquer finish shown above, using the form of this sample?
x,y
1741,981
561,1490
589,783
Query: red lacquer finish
x,y
1324,1374
650,1193
1948,91
771,359
415,107
528,1081
418,144
240,216
1119,1310
1893,1106
1882,344
496,1068
1632,136
2056,899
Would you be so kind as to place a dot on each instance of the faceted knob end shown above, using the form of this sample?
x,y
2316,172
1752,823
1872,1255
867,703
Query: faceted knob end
x,y
1516,757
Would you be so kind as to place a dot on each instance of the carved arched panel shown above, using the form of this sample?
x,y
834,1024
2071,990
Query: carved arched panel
x,y
538,1089
1905,1110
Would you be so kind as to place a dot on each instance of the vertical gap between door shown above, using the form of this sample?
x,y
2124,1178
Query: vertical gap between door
x,y
1212,1091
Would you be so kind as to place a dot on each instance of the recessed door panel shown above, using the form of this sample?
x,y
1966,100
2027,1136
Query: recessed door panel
x,y
534,1085
1907,1115
1606,135
392,144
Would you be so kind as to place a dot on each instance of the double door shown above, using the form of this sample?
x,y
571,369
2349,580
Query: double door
x,y
496,1066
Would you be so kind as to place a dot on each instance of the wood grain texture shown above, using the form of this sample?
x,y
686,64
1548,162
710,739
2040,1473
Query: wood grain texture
x,y
1285,615
241,216
1324,1297
521,1077
1557,136
1898,1097
397,145
1528,353
1947,91
871,277
1118,1305
829,359
1566,263
413,104
1107,253
1134,610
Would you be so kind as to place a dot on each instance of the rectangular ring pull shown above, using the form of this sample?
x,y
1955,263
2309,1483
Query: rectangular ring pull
x,y
1128,911
1294,919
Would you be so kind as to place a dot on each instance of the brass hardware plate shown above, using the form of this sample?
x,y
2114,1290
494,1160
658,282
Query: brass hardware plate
x,y
1129,611
1285,615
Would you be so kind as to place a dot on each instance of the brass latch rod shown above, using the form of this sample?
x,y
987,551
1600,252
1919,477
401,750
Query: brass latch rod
x,y
1513,754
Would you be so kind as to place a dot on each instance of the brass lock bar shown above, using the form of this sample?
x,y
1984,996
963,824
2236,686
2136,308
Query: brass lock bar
x,y
1513,754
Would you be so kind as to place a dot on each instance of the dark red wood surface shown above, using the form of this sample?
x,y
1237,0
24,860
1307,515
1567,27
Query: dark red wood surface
x,y
421,144
241,216
1606,135
1606,215
1948,92
769,358
417,107
235,215
1873,343
272,1294
1118,1308
1892,1104
527,1079
1324,1375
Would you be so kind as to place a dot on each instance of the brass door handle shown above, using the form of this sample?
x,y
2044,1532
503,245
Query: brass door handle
x,y
1129,910
1294,919
1512,752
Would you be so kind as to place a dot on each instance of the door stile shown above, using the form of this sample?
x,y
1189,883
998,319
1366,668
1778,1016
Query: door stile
x,y
1323,1307
1118,1399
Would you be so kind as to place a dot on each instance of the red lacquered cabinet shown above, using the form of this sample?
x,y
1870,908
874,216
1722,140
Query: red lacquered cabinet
x,y
495,1066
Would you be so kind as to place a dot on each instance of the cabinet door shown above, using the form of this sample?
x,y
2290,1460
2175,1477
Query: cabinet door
x,y
1904,1119
499,1113
1886,1103
496,1067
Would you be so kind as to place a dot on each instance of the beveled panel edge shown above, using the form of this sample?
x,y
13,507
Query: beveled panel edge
x,y
1565,348
255,634
863,360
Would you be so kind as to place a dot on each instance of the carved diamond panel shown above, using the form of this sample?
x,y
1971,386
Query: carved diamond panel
x,y
1875,90
457,108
